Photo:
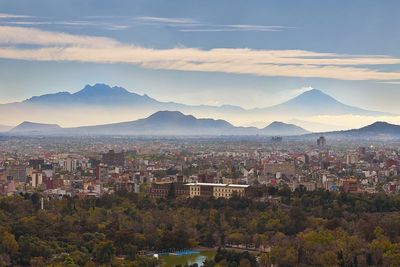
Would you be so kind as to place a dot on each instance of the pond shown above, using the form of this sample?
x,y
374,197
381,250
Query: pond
x,y
199,257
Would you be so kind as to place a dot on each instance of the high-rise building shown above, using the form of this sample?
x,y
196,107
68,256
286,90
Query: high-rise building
x,y
114,159
36,164
17,173
36,179
306,159
70,164
321,142
101,172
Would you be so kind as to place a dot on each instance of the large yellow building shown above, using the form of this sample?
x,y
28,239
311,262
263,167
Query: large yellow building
x,y
194,190
216,190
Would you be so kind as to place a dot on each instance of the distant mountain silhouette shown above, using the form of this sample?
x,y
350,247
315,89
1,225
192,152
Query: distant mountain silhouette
x,y
283,129
98,94
102,101
312,102
380,127
172,123
175,123
377,131
315,102
163,123
31,128
377,128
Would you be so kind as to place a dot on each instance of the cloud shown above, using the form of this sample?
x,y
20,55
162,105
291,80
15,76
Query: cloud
x,y
163,20
12,16
391,82
30,36
124,22
58,46
191,25
71,24
235,28
105,23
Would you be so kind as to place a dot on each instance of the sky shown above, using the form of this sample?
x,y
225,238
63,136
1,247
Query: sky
x,y
245,53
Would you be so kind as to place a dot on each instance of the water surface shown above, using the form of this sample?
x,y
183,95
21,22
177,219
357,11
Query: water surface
x,y
199,258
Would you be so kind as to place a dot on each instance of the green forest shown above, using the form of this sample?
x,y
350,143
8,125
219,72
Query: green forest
x,y
317,228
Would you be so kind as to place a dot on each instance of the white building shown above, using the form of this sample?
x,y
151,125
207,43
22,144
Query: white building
x,y
70,165
37,179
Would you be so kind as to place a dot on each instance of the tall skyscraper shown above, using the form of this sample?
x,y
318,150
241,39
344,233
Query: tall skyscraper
x,y
321,142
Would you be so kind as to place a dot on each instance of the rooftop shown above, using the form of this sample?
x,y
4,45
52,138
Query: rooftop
x,y
220,185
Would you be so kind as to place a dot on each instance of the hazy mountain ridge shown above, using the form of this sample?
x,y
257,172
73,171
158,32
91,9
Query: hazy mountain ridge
x,y
378,131
316,102
32,127
162,123
313,102
98,94
280,128
101,104
175,123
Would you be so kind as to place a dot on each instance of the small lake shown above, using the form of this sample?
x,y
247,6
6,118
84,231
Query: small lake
x,y
199,258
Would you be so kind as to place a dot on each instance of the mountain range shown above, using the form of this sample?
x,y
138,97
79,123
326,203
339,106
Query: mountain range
x,y
311,102
98,94
379,130
28,127
175,123
102,104
161,123
105,96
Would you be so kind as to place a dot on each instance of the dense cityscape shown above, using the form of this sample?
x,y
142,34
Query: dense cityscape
x,y
320,182
212,133
92,167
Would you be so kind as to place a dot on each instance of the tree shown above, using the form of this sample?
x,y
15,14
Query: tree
x,y
104,252
245,263
130,251
208,263
146,262
284,255
5,260
34,247
265,259
8,244
236,238
37,262
380,246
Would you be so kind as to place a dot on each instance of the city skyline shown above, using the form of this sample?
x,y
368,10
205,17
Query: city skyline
x,y
203,53
199,133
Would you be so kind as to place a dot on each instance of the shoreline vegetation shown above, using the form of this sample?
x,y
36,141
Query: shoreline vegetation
x,y
319,227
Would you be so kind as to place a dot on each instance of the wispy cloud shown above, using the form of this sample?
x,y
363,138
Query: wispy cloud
x,y
70,24
106,23
125,22
235,28
396,82
57,46
12,16
163,20
191,25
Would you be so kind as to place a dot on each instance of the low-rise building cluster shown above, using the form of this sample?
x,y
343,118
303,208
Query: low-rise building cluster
x,y
193,168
